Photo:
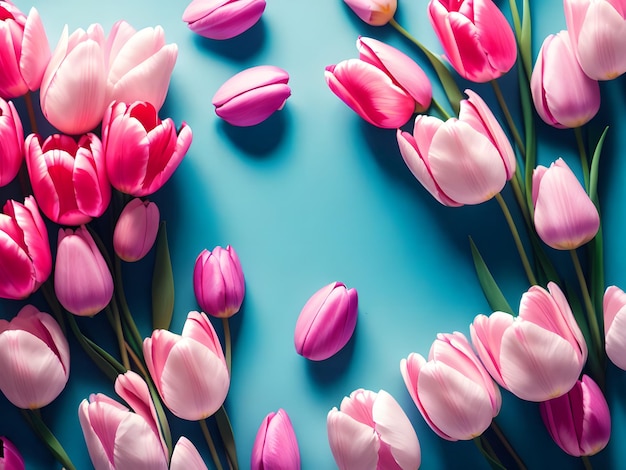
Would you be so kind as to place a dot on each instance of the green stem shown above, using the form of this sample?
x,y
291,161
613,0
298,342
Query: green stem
x,y
442,112
114,314
586,462
520,198
507,445
583,156
53,303
227,343
30,109
507,115
34,419
125,311
209,441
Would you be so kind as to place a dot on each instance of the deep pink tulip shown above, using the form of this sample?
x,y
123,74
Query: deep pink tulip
x,y
374,12
452,390
476,37
461,161
562,104
68,177
326,322
136,230
579,421
11,142
218,282
597,29
370,431
10,457
614,307
25,257
252,95
565,217
275,446
34,359
537,355
222,19
141,151
189,370
82,280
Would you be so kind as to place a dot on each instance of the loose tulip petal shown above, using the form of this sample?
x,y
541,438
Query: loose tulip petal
x,y
222,19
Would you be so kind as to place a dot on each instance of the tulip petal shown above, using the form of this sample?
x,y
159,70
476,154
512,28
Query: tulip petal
x,y
35,51
486,333
254,106
354,445
99,422
137,447
17,277
186,456
498,41
222,19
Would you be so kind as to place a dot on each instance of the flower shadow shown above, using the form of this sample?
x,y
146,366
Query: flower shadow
x,y
240,48
328,371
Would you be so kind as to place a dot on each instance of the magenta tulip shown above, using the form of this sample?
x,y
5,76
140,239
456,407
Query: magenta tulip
x,y
25,257
560,104
374,12
222,19
565,217
68,177
452,390
326,322
537,355
253,95
579,421
11,142
34,359
476,37
218,282
82,280
275,446
188,370
370,431
136,230
10,457
614,307
461,161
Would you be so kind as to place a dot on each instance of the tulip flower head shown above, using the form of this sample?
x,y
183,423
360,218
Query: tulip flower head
x,y
614,307
222,19
374,12
10,457
11,142
136,230
275,446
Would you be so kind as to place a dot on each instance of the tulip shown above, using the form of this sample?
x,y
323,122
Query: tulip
x,y
565,217
374,12
579,421
34,359
10,457
275,446
82,281
452,390
189,370
25,257
222,19
136,230
370,431
537,355
185,456
11,142
597,29
326,322
614,304
476,37
141,151
68,177
560,104
461,161
218,282
251,96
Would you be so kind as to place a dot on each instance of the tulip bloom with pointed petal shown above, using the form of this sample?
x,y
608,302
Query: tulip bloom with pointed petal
x,y
136,230
452,390
565,217
537,355
476,37
614,307
461,161
11,142
189,370
10,457
579,421
222,19
252,95
275,446
370,431
34,359
374,12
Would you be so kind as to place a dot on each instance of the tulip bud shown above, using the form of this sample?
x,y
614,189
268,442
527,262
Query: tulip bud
x,y
326,322
253,95
10,457
11,142
275,446
222,19
374,12
614,307
136,230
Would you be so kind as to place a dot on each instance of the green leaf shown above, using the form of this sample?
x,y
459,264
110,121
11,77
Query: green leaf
x,y
228,438
162,283
595,166
485,448
33,418
526,40
492,292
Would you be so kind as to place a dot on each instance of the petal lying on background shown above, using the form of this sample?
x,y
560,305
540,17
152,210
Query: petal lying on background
x,y
254,106
186,456
354,445
249,79
225,21
35,51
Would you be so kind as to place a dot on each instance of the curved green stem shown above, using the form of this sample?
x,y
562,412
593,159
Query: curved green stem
x,y
584,162
520,198
209,441
34,419
227,344
114,315
586,462
507,445
508,117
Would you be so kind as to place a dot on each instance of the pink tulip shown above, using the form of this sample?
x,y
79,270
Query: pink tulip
x,y
253,95
476,37
614,307
461,161
370,431
24,51
452,390
189,370
275,446
579,421
10,457
141,151
222,19
82,280
68,177
136,230
565,217
25,258
11,142
374,12
537,355
560,104
218,282
34,359
186,457
326,322
597,29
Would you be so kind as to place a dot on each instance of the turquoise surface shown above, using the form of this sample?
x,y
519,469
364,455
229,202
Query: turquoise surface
x,y
314,195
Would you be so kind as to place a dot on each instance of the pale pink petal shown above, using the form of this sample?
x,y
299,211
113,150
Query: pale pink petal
x,y
186,456
137,447
613,302
156,350
486,333
354,445
99,425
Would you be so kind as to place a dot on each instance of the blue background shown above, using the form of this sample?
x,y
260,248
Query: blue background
x,y
314,195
